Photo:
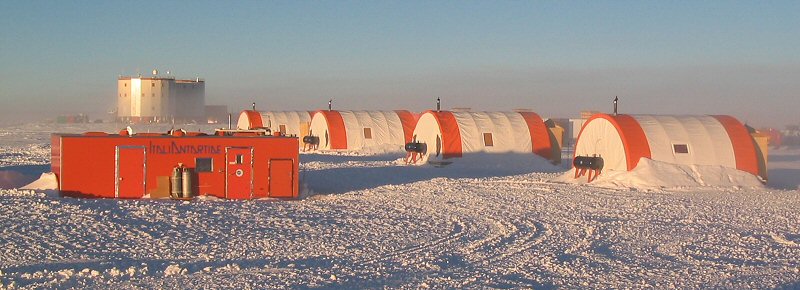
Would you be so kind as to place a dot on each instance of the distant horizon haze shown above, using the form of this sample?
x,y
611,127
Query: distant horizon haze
x,y
556,58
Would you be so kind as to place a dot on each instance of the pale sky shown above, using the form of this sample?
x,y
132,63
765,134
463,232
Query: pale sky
x,y
555,57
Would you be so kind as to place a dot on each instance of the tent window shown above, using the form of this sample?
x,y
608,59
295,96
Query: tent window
x,y
203,165
487,139
680,148
367,133
282,128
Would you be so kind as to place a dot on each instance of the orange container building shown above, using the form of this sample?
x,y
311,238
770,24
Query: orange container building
x,y
237,166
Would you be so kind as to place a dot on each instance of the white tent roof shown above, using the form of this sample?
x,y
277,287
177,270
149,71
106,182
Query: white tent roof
x,y
354,130
687,140
451,134
274,120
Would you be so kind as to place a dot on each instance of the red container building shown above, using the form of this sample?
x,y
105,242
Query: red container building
x,y
236,166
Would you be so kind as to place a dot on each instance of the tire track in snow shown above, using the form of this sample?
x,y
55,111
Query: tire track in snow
x,y
456,232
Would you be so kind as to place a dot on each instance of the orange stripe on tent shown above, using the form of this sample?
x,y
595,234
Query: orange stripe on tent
x,y
409,122
451,136
254,119
336,129
633,138
743,148
540,137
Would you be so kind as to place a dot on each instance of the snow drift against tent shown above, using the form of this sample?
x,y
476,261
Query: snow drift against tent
x,y
651,174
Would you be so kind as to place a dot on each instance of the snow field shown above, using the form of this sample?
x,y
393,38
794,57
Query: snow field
x,y
367,222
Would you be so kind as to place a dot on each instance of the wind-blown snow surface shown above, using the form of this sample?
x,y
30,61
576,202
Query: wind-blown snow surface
x,y
374,223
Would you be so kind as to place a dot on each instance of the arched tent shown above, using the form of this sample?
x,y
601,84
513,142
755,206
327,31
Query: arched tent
x,y
622,140
286,122
451,134
355,130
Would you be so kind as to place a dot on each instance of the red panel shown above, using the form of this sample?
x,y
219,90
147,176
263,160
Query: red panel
x,y
633,138
253,118
540,136
743,147
239,173
88,163
281,179
130,172
336,130
451,136
409,122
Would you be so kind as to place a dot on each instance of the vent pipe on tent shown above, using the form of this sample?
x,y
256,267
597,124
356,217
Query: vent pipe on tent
x,y
330,104
230,123
616,99
254,106
438,105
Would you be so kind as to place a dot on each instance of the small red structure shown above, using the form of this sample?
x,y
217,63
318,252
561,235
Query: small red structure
x,y
226,165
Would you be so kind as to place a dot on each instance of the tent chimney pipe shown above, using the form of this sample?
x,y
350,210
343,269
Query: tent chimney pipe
x,y
330,102
254,106
230,123
616,99
438,105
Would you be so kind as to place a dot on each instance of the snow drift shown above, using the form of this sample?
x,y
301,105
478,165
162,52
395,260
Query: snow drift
x,y
656,174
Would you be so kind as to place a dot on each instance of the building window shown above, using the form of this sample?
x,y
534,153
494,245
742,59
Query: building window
x,y
124,84
153,85
204,165
487,139
680,148
367,133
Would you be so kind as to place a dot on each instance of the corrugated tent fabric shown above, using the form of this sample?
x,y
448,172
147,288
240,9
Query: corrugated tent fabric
x,y
687,140
362,129
273,120
452,134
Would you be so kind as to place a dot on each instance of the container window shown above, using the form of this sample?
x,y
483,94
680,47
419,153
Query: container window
x,y
204,164
487,139
680,148
367,133
239,159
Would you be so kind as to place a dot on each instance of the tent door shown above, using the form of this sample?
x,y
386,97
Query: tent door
x,y
239,172
130,172
281,178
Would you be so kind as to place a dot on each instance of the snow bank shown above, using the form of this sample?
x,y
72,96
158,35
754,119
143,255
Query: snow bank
x,y
47,181
656,174
492,163
366,151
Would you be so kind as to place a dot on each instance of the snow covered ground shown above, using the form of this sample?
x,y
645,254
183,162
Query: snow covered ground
x,y
369,222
